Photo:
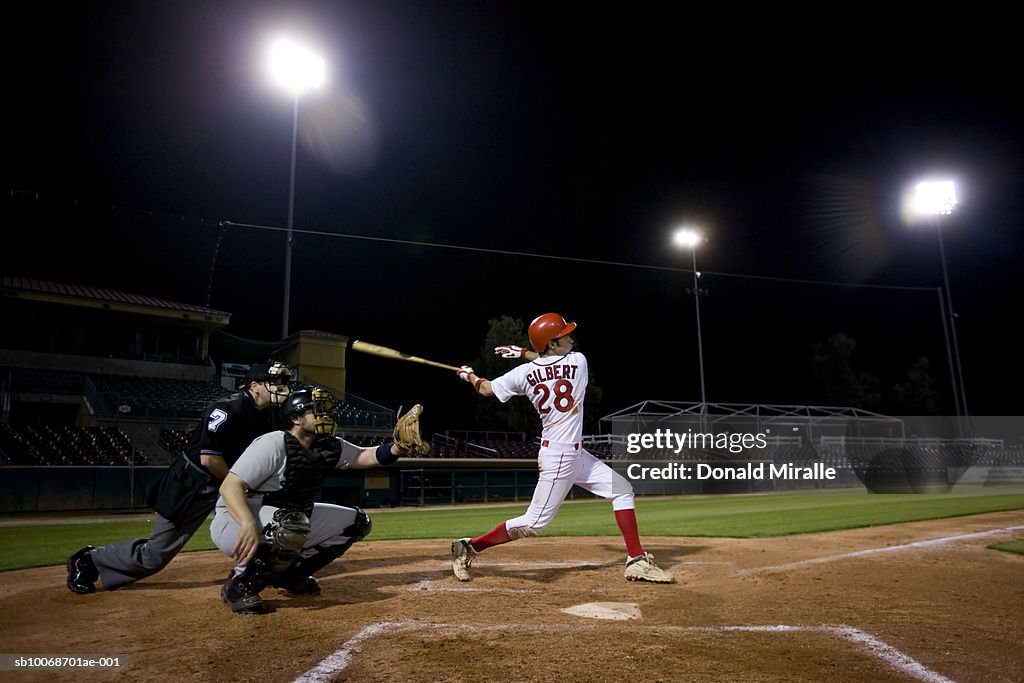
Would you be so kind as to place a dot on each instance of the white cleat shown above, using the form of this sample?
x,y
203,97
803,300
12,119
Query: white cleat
x,y
462,558
642,568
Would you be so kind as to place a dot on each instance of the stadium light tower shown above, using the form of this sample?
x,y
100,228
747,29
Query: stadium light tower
x,y
935,199
689,238
296,69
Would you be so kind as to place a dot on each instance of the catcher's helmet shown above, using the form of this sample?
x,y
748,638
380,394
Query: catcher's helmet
x,y
547,327
319,400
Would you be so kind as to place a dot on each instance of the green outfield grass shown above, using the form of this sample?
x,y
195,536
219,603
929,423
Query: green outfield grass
x,y
1010,547
737,516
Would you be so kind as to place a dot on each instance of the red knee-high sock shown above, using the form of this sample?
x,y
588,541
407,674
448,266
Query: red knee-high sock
x,y
495,536
626,519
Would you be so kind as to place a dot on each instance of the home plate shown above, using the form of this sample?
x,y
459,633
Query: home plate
x,y
619,611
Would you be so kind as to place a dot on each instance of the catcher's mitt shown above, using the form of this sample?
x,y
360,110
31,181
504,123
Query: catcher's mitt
x,y
407,432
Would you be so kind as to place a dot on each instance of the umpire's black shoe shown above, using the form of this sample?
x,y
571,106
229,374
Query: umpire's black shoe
x,y
241,600
303,585
82,574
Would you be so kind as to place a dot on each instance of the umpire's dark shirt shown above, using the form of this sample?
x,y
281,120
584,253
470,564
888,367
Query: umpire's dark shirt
x,y
228,427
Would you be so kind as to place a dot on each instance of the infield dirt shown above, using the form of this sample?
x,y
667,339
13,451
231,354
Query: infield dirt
x,y
857,605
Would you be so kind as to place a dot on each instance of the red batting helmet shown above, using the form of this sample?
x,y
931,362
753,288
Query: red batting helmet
x,y
546,327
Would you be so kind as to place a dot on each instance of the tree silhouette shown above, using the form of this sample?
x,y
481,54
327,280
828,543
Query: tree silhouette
x,y
917,395
840,382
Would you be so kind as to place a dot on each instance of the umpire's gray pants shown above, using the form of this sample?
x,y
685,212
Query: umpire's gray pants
x,y
128,561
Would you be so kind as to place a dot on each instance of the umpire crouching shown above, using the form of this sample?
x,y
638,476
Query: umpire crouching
x,y
187,492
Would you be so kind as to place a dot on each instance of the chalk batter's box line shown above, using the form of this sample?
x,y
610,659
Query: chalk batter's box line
x,y
927,544
426,584
429,583
337,662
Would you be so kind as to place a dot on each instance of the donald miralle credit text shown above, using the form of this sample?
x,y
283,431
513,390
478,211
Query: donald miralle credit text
x,y
732,445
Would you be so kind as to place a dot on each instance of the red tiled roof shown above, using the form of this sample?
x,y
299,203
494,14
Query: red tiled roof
x,y
101,294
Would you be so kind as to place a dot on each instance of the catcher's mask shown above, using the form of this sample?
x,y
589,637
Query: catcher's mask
x,y
320,401
277,377
546,328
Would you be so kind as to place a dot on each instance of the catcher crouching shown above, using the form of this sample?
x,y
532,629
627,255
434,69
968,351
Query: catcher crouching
x,y
266,518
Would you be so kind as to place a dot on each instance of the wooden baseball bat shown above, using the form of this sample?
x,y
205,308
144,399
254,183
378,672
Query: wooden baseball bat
x,y
385,352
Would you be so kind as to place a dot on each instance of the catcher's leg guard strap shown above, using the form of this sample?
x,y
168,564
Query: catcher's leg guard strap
x,y
257,573
384,454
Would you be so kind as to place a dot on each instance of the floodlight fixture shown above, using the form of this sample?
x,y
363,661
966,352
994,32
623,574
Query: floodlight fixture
x,y
687,237
295,67
934,197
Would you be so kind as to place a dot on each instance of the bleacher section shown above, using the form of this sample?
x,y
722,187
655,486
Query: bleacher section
x,y
150,397
66,445
352,414
136,397
174,440
157,413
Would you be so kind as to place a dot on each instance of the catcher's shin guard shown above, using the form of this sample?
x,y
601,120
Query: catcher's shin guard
x,y
298,578
82,574
287,534
241,595
358,529
258,573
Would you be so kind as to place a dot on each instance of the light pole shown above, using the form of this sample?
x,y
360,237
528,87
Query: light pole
x,y
295,69
690,238
934,199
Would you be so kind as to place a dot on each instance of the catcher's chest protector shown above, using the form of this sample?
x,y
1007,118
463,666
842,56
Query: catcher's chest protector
x,y
304,474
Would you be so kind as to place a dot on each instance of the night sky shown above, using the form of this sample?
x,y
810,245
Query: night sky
x,y
135,128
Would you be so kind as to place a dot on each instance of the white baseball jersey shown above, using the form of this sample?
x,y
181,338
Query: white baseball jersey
x,y
556,385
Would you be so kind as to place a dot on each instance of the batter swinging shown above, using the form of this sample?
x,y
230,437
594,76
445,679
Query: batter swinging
x,y
555,381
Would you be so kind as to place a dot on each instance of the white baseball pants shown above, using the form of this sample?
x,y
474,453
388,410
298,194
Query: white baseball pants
x,y
562,466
